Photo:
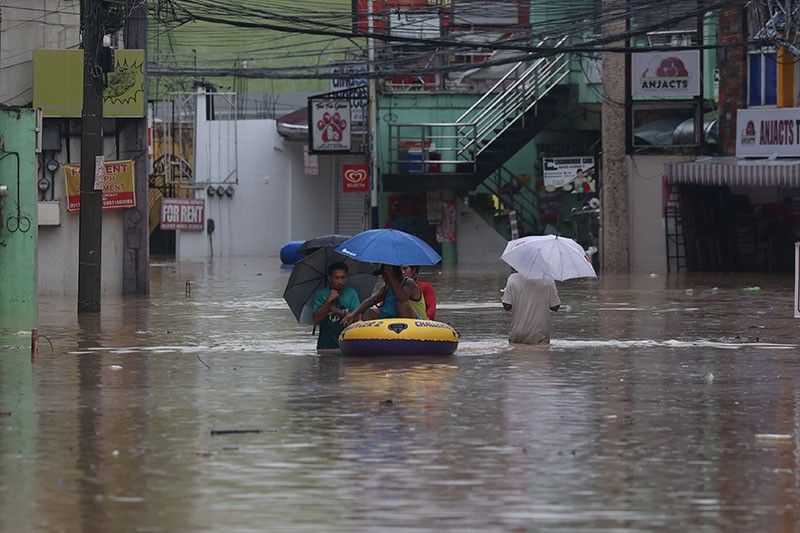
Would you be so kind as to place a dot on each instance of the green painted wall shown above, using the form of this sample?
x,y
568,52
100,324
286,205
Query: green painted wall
x,y
18,235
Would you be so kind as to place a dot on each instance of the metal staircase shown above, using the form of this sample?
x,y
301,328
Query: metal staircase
x,y
458,156
516,198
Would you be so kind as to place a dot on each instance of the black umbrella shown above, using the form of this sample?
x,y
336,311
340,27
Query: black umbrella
x,y
311,274
312,245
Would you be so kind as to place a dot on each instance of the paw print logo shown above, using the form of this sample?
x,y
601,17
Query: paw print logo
x,y
332,127
672,67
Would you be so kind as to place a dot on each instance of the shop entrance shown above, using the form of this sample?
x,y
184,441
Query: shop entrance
x,y
731,229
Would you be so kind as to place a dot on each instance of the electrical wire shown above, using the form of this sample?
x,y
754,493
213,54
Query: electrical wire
x,y
398,56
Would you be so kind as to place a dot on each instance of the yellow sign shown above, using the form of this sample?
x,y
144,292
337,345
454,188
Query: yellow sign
x,y
58,84
117,183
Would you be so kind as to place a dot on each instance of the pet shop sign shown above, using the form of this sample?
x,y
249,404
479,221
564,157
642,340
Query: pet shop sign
x,y
330,125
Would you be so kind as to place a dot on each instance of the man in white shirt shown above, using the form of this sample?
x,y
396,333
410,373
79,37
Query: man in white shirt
x,y
530,302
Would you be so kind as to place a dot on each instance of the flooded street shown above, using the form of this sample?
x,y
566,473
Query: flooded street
x,y
662,403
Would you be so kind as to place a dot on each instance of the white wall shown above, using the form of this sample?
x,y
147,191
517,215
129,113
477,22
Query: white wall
x,y
57,260
646,211
478,242
275,201
29,25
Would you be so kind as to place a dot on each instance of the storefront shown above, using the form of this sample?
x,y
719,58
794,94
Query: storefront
x,y
728,214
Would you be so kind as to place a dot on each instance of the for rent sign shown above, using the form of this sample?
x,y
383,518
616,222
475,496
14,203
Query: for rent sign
x,y
767,132
116,182
182,214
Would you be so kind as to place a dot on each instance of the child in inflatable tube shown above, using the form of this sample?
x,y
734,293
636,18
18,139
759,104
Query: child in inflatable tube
x,y
401,297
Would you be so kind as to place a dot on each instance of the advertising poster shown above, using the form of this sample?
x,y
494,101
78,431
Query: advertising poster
x,y
355,177
576,174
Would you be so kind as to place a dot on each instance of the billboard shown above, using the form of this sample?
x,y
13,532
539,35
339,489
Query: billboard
x,y
666,74
116,183
768,132
58,84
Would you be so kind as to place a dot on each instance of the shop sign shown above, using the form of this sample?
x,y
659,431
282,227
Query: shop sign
x,y
355,178
768,132
666,74
569,172
358,107
330,125
182,214
116,183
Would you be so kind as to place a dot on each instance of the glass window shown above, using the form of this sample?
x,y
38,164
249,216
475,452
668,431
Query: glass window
x,y
755,80
762,79
770,80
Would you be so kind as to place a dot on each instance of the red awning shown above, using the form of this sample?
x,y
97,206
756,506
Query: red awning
x,y
736,172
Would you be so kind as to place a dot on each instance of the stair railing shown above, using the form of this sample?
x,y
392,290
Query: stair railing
x,y
503,105
458,144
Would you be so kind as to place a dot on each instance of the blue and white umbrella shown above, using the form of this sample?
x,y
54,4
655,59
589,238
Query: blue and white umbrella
x,y
390,247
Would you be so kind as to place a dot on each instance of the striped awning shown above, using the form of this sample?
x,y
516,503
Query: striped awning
x,y
736,172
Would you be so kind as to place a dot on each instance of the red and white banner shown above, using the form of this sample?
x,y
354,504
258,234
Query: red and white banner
x,y
355,177
183,214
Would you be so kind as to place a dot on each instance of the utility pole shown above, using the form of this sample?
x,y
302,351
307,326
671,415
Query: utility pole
x,y
90,237
373,114
614,223
136,250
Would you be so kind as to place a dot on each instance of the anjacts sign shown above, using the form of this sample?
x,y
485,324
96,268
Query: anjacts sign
x,y
768,132
666,74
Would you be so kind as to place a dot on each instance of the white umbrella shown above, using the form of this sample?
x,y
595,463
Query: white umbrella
x,y
540,256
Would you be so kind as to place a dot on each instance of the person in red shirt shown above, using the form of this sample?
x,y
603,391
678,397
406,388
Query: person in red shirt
x,y
411,271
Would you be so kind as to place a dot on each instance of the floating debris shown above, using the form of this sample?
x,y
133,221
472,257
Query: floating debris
x,y
233,431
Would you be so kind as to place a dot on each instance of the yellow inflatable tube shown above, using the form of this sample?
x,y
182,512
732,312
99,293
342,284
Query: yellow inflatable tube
x,y
399,336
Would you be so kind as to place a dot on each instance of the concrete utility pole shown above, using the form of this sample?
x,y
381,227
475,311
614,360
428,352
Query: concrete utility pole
x,y
614,223
136,253
372,100
90,237
732,73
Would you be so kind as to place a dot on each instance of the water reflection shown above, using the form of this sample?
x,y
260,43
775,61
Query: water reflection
x,y
662,403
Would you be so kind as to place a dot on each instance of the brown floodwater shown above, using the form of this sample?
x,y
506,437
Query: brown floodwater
x,y
662,403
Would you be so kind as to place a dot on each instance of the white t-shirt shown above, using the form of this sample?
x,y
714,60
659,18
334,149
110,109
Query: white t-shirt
x,y
530,300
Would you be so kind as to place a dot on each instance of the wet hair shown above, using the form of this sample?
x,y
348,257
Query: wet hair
x,y
337,266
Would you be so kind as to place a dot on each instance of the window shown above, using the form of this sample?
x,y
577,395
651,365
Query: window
x,y
763,79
